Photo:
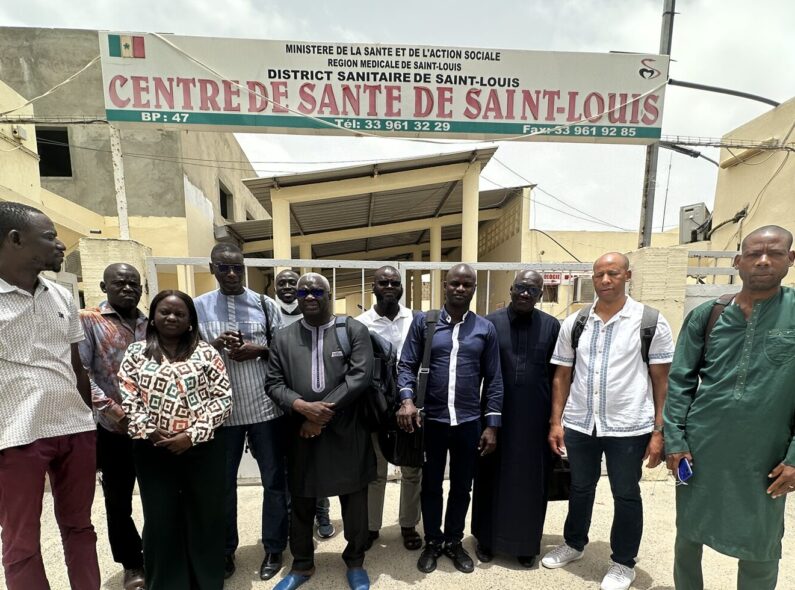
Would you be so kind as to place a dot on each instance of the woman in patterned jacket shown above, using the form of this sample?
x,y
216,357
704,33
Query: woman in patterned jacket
x,y
176,393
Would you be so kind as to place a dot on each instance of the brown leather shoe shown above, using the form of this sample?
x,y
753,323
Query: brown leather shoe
x,y
134,579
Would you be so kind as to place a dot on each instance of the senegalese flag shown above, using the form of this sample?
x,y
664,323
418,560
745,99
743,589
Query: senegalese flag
x,y
126,46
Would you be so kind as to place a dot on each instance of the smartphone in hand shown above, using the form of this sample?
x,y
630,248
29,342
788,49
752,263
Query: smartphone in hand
x,y
685,470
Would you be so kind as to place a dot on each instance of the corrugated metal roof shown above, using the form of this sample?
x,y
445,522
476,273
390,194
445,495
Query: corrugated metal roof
x,y
387,207
260,187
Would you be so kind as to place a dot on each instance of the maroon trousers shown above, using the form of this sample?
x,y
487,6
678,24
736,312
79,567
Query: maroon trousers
x,y
70,462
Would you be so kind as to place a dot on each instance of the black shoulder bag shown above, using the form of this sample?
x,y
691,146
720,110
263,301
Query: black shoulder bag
x,y
407,449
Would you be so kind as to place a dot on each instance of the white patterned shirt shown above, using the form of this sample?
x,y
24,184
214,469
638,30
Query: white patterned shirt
x,y
219,313
612,389
38,387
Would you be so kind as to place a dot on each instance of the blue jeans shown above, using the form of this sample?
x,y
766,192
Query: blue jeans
x,y
624,463
266,443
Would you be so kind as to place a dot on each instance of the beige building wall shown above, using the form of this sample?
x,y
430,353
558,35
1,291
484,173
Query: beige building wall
x,y
755,181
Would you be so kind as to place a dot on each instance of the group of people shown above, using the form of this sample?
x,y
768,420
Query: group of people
x,y
178,395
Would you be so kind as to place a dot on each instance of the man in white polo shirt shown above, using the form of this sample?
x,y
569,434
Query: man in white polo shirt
x,y
613,404
46,426
391,320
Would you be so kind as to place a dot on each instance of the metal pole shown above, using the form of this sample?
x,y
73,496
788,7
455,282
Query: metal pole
x,y
362,306
118,182
488,292
403,279
652,151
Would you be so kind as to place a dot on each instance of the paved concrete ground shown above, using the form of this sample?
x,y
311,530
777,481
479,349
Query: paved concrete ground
x,y
391,566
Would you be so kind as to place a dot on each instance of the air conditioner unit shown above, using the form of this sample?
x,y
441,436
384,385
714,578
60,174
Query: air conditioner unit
x,y
583,289
695,222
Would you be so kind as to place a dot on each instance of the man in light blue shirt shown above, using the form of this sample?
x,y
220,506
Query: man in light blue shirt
x,y
240,324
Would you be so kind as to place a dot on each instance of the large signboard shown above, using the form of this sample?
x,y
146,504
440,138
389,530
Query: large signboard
x,y
406,90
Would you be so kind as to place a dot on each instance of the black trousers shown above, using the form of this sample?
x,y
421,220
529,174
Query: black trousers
x,y
354,520
117,468
462,443
183,500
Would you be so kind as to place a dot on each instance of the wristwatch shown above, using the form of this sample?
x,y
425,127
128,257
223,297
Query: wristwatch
x,y
658,428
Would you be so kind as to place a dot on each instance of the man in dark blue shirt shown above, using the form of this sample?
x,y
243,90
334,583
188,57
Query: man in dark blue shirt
x,y
464,354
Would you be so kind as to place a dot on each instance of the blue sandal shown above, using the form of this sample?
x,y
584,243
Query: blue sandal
x,y
358,579
292,581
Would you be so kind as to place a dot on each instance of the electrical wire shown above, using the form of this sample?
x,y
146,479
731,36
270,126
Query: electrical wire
x,y
537,202
540,189
566,250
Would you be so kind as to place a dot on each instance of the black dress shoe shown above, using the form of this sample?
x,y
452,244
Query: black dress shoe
x,y
229,566
527,561
271,566
461,559
371,538
484,554
427,561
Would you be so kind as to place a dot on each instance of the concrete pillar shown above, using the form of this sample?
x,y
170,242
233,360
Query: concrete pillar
x,y
469,221
185,280
282,243
416,283
96,254
305,253
436,256
470,206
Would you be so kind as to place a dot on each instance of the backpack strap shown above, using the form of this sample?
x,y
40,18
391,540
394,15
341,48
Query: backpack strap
x,y
648,327
267,318
718,307
341,330
579,325
431,319
577,330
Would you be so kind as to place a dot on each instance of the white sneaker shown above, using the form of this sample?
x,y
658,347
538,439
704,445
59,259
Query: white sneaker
x,y
618,577
560,556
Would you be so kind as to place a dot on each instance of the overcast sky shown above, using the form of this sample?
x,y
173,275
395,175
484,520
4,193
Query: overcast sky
x,y
730,43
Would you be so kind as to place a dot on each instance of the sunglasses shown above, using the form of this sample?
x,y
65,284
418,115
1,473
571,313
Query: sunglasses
x,y
530,289
386,283
225,269
316,293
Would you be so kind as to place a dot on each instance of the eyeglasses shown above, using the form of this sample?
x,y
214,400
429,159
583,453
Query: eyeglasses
x,y
532,290
386,283
316,293
225,269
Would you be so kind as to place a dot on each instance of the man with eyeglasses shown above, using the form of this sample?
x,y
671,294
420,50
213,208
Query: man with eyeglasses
x,y
457,418
235,320
509,501
286,282
613,404
391,320
329,451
